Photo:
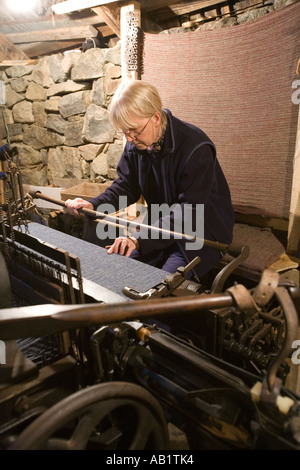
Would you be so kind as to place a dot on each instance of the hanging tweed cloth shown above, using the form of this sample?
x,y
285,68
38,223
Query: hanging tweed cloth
x,y
235,83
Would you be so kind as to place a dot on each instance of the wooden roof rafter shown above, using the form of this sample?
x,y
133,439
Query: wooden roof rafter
x,y
35,35
9,51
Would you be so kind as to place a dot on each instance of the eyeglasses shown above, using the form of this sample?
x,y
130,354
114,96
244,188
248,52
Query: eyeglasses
x,y
135,134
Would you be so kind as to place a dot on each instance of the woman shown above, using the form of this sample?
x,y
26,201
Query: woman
x,y
173,164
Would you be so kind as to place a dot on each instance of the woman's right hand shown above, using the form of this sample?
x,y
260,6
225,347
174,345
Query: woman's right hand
x,y
73,204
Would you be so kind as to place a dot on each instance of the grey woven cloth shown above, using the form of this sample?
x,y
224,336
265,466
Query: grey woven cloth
x,y
110,272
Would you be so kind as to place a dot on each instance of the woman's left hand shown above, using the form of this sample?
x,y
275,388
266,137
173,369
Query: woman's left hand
x,y
123,246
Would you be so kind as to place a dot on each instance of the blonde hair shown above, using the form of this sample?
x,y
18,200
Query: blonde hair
x,y
135,99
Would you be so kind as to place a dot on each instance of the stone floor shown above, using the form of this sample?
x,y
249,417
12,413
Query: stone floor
x,y
177,438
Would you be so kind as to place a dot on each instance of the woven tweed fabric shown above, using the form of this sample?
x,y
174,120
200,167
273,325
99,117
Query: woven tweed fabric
x,y
111,272
236,84
265,248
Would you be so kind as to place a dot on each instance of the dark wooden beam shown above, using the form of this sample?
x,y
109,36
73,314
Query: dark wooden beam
x,y
111,16
9,51
53,34
69,6
38,49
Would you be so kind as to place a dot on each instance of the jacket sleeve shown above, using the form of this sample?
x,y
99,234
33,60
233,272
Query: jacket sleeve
x,y
125,190
186,215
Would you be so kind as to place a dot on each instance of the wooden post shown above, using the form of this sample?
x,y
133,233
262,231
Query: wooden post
x,y
293,245
2,104
136,7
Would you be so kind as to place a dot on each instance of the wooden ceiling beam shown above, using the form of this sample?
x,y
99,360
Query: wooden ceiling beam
x,y
181,9
79,18
152,5
69,6
38,49
53,34
9,51
110,16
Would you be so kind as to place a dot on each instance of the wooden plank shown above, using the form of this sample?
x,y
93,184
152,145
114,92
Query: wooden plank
x,y
80,18
226,10
156,4
179,9
73,5
53,34
9,51
10,63
182,9
283,264
263,222
109,16
69,6
37,49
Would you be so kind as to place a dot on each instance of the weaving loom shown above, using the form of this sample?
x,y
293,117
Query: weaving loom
x,y
47,265
118,389
103,276
41,265
98,359
214,364
39,274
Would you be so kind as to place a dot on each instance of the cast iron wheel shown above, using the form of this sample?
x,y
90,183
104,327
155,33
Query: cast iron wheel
x,y
108,416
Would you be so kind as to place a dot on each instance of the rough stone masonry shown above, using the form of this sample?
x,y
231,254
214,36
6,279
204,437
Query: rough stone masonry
x,y
56,113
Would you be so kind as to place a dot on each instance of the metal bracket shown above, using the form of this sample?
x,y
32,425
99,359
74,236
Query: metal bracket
x,y
219,281
167,287
253,301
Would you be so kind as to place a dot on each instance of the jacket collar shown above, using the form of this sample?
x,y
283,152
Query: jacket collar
x,y
169,140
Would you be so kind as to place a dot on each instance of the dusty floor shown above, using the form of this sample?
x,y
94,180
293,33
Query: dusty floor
x,y
178,439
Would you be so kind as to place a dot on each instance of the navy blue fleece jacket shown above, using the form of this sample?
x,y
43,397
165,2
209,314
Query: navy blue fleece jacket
x,y
185,172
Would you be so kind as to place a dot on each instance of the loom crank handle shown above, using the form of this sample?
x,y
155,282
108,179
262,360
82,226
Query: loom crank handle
x,y
135,294
184,270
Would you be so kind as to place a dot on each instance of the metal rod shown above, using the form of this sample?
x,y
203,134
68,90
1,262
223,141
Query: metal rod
x,y
35,321
105,218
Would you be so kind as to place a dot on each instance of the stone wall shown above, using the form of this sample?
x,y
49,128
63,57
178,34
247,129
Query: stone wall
x,y
56,113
